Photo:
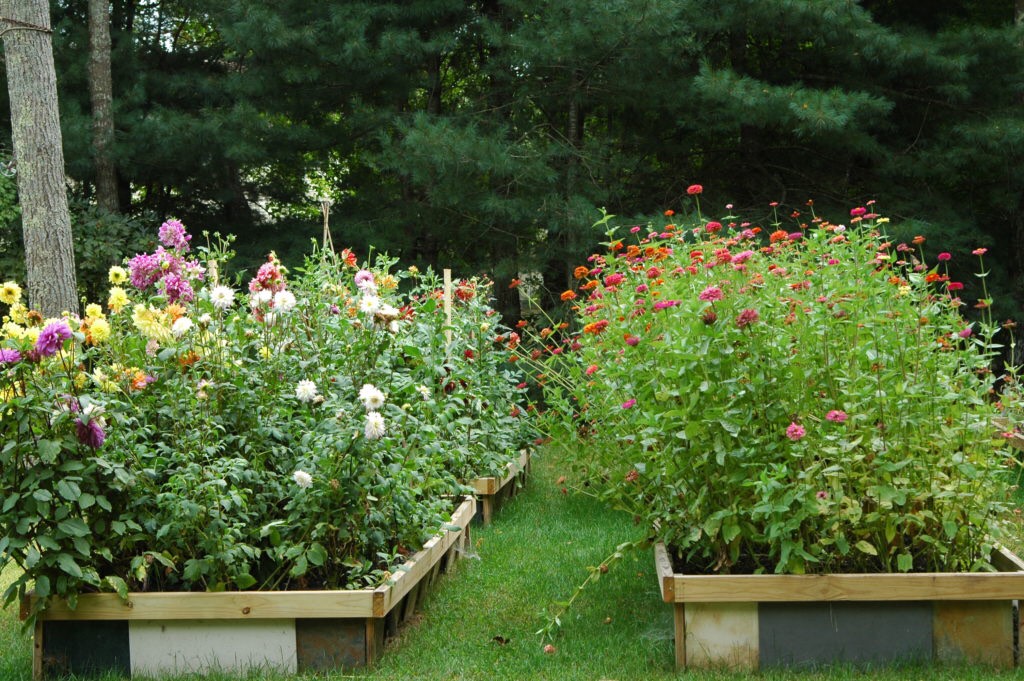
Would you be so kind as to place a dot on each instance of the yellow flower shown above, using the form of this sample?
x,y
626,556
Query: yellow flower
x,y
152,322
413,269
265,352
19,313
117,275
118,299
10,293
94,311
388,282
81,380
12,330
99,331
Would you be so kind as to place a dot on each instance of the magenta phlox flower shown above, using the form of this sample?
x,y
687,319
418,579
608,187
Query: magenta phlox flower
x,y
176,288
90,433
52,338
172,234
145,270
268,278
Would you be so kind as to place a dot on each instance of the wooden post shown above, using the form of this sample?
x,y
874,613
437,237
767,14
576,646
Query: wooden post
x,y
680,620
448,305
325,208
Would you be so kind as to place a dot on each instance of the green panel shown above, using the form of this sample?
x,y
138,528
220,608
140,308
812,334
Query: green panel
x,y
85,648
813,634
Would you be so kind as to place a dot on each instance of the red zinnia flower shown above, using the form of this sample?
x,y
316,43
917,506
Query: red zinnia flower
x,y
694,189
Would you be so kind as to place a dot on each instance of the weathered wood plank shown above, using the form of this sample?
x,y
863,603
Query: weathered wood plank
x,y
974,586
266,604
491,485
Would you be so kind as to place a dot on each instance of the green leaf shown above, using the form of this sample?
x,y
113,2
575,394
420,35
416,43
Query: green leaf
x,y
118,585
68,565
244,581
43,495
10,501
950,528
86,500
74,527
48,450
316,554
69,490
42,587
904,562
866,547
300,567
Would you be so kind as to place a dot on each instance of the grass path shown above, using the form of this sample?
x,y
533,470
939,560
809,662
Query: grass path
x,y
481,621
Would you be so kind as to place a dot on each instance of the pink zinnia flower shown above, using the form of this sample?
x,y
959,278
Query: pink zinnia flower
x,y
590,370
629,404
713,227
694,189
614,279
632,340
858,211
943,257
836,416
795,431
664,304
642,288
711,294
979,251
747,317
634,229
966,333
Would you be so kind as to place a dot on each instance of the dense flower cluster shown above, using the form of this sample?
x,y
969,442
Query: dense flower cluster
x,y
801,399
177,438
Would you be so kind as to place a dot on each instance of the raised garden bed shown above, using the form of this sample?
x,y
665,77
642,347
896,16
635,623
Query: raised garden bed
x,y
493,491
289,631
755,621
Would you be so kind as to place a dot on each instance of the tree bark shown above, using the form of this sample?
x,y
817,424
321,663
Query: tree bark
x,y
101,94
35,127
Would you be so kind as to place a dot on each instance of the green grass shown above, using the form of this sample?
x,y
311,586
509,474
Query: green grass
x,y
534,554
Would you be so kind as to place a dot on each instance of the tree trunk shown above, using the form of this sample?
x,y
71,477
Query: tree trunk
x,y
1018,14
101,91
35,127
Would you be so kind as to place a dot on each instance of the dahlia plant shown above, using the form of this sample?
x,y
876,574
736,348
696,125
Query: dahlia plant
x,y
301,430
805,400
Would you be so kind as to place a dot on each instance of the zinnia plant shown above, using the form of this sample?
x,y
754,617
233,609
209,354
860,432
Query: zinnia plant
x,y
805,400
303,430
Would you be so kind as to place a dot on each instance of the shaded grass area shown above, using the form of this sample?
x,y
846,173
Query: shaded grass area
x,y
481,621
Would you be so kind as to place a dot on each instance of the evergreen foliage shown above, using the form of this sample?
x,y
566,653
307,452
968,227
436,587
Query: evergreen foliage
x,y
487,134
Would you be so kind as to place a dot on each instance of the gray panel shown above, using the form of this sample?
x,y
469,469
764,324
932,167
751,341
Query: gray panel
x,y
331,644
813,634
85,648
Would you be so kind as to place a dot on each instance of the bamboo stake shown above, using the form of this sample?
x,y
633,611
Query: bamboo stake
x,y
325,208
448,305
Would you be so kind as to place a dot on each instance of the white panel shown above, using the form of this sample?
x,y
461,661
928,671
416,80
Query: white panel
x,y
178,646
722,635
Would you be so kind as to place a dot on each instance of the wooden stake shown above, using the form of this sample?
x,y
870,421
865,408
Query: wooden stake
x,y
448,305
325,208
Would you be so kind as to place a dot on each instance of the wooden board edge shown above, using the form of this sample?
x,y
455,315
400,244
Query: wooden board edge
x,y
491,485
230,605
849,587
420,564
663,567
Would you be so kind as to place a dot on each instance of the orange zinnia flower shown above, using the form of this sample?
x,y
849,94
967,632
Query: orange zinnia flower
x,y
568,295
